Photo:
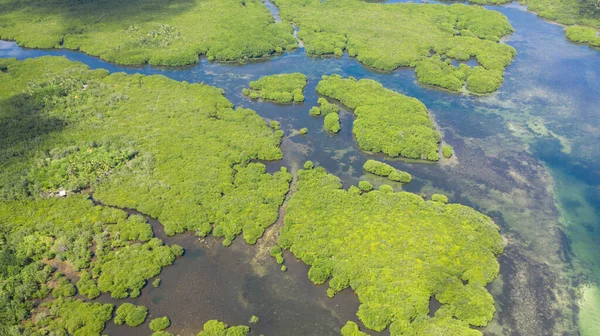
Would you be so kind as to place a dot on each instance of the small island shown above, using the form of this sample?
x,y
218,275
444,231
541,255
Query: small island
x,y
282,88
386,121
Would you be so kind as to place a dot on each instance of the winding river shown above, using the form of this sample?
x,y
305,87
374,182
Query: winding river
x,y
526,156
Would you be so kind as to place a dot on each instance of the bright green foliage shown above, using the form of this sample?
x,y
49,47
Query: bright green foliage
x,y
254,319
571,12
217,328
156,283
433,71
581,34
124,272
282,88
156,32
303,131
283,268
160,323
314,111
131,314
177,250
386,121
383,169
393,35
439,198
365,186
395,250
484,81
168,178
87,286
74,317
64,287
447,151
277,253
332,122
351,329
326,107
134,228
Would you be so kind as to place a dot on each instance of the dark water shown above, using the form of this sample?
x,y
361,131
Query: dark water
x,y
525,156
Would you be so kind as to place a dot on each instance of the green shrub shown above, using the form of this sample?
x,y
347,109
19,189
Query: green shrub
x,y
365,186
75,317
439,198
64,287
447,151
277,253
156,283
216,328
131,314
384,169
254,319
351,329
160,323
314,111
332,122
283,88
326,107
87,286
303,131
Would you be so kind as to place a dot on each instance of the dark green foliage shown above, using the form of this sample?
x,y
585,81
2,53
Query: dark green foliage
x,y
156,32
332,122
351,329
131,314
87,286
447,151
394,35
439,198
216,328
63,287
74,317
386,121
177,250
365,186
160,323
384,169
124,272
283,88
395,250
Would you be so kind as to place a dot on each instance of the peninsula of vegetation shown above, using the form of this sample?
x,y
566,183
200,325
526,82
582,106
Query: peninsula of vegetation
x,y
282,88
169,33
388,36
396,251
386,121
383,169
175,151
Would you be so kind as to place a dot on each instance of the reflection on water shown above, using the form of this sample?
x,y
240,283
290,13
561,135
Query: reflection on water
x,y
524,155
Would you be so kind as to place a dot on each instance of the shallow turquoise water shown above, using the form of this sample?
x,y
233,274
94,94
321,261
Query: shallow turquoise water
x,y
525,156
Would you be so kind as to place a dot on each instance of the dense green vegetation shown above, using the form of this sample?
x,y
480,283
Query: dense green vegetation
x,y
395,250
439,198
581,34
447,151
160,323
72,317
69,131
282,88
161,33
383,169
351,329
386,121
393,35
331,122
217,328
131,314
